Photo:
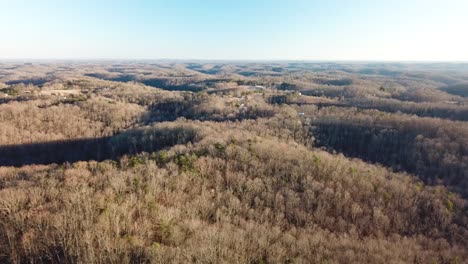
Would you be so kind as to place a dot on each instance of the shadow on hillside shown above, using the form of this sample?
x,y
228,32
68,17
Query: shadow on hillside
x,y
33,81
166,84
398,149
99,149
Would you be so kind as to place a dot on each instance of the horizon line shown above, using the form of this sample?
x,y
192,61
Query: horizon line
x,y
227,60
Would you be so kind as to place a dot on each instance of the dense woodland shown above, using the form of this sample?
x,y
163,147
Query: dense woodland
x,y
190,162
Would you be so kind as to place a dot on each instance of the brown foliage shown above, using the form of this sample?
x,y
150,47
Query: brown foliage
x,y
233,174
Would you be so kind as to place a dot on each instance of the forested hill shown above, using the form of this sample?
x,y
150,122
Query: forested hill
x,y
233,162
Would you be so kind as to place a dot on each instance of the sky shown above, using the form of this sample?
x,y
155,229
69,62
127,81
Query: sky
x,y
365,30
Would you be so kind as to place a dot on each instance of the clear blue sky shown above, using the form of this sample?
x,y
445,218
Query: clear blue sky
x,y
230,29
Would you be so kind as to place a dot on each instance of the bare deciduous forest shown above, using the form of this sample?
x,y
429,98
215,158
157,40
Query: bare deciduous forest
x,y
233,162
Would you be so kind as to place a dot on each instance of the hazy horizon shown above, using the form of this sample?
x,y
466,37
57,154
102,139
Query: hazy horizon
x,y
344,31
189,60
